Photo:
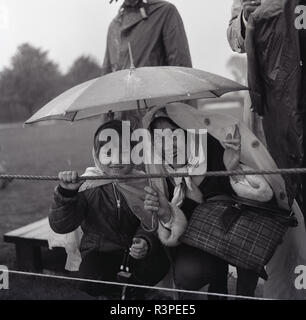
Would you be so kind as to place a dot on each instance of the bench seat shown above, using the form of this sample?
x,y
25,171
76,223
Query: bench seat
x,y
28,241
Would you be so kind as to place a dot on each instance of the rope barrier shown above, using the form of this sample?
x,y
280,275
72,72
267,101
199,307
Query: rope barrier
x,y
31,274
162,175
149,176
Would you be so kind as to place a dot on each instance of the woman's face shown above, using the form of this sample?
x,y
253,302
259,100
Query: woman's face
x,y
179,145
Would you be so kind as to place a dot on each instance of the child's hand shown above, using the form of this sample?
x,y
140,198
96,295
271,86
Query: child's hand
x,y
157,202
139,248
69,180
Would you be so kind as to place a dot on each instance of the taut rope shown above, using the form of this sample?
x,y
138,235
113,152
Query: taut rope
x,y
166,175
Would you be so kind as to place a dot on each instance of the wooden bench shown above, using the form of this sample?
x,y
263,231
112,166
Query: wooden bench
x,y
31,238
28,241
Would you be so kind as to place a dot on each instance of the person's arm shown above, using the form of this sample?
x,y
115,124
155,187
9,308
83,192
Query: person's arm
x,y
175,39
172,221
176,43
107,67
253,187
236,29
170,233
69,207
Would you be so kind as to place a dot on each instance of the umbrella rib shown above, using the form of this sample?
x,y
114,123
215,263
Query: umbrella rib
x,y
82,93
169,75
74,116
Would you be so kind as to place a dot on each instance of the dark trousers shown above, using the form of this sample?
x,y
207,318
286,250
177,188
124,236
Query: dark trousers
x,y
304,166
105,266
195,269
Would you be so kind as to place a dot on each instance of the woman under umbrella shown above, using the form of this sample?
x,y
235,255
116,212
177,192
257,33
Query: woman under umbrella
x,y
195,265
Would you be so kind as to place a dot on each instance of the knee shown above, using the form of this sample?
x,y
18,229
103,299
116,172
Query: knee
x,y
186,277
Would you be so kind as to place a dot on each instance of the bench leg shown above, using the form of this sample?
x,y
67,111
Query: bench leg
x,y
28,257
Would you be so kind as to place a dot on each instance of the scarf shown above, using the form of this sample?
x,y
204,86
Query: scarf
x,y
184,186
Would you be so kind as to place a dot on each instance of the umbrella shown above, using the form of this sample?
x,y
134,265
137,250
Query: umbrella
x,y
134,88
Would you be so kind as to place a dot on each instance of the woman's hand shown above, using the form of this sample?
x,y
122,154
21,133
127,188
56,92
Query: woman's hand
x,y
232,153
69,180
157,202
139,248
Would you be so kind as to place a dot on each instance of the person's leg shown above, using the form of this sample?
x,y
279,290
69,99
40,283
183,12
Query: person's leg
x,y
246,282
194,269
304,166
100,266
220,283
148,272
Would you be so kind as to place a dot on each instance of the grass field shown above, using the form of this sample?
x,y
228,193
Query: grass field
x,y
43,150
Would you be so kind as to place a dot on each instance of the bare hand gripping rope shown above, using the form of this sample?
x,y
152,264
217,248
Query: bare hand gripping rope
x,y
166,175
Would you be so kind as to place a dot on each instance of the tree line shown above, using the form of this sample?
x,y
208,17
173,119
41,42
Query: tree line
x,y
33,79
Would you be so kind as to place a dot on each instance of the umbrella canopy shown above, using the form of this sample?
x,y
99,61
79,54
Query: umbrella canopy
x,y
135,88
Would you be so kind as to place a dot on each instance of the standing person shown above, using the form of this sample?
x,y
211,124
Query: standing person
x,y
276,78
236,37
155,31
276,57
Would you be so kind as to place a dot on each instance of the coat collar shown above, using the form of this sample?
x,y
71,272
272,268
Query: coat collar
x,y
128,19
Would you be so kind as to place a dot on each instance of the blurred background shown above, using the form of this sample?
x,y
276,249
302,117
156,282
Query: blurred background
x,y
48,46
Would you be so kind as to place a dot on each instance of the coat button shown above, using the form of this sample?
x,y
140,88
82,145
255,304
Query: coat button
x,y
282,196
207,122
255,144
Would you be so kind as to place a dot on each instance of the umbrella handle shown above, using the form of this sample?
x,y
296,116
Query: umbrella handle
x,y
155,221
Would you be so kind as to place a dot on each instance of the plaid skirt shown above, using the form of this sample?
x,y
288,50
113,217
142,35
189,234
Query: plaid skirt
x,y
244,239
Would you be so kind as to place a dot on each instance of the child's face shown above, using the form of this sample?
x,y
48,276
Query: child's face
x,y
117,169
113,166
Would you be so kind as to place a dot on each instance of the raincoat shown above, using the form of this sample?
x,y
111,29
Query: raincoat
x,y
275,78
159,40
292,252
236,37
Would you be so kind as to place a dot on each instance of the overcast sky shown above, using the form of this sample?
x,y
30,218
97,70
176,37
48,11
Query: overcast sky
x,y
70,28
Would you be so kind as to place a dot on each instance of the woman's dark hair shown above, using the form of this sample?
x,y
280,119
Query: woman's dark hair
x,y
114,125
154,123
